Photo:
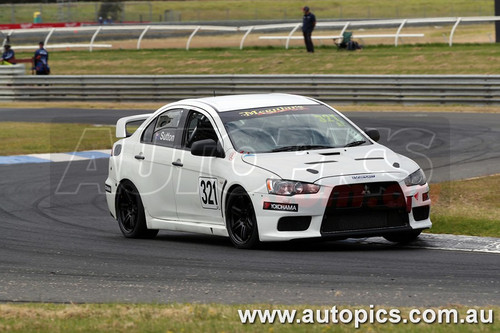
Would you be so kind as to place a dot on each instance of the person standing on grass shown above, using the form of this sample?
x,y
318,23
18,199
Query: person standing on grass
x,y
8,56
308,24
41,61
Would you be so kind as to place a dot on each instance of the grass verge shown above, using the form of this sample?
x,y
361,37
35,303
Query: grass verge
x,y
467,207
382,59
55,318
27,138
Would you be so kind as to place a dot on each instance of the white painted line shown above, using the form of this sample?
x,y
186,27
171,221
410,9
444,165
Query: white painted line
x,y
59,157
446,242
55,157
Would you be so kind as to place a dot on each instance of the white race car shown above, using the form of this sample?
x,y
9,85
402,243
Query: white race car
x,y
266,167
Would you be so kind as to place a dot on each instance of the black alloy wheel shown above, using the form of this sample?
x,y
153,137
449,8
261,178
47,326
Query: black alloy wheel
x,y
240,220
130,213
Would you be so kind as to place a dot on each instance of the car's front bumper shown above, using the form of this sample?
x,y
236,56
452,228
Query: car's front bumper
x,y
355,213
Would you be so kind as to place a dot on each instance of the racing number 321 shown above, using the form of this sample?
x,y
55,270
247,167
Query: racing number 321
x,y
208,193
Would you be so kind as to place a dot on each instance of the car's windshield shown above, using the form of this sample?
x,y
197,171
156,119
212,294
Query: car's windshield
x,y
289,128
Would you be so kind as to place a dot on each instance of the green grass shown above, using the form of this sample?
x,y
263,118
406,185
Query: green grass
x,y
467,207
203,10
28,138
54,318
418,59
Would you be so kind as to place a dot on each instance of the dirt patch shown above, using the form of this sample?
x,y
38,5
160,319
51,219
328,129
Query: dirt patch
x,y
419,59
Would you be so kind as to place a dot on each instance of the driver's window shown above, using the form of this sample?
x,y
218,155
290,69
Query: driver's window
x,y
198,127
165,128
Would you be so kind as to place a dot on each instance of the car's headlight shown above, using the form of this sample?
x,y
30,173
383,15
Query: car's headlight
x,y
290,187
416,178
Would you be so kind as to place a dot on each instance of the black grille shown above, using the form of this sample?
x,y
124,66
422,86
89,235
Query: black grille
x,y
294,223
365,206
421,213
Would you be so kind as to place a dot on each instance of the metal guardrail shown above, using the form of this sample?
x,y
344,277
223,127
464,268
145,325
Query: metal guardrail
x,y
18,69
436,89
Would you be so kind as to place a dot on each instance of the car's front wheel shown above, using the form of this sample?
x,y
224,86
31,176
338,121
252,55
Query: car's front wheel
x,y
241,222
403,237
130,213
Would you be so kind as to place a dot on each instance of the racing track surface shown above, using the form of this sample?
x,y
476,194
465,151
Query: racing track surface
x,y
59,244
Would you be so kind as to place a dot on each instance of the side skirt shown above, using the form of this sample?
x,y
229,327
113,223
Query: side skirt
x,y
202,228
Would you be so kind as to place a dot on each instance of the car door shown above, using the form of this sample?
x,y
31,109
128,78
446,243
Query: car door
x,y
199,184
155,155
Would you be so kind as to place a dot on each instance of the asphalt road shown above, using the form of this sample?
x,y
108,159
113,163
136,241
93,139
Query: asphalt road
x,y
59,244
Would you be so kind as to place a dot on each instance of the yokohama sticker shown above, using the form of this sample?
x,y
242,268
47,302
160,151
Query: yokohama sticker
x,y
287,207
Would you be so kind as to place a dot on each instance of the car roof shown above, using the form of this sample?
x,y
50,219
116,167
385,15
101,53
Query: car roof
x,y
242,102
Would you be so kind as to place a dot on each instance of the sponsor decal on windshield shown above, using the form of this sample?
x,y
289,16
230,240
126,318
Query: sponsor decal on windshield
x,y
275,110
330,118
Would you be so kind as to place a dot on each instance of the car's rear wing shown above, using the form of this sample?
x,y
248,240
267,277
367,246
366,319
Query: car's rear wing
x,y
121,124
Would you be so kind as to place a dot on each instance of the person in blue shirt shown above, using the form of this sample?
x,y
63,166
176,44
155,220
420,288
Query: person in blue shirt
x,y
308,24
41,61
8,56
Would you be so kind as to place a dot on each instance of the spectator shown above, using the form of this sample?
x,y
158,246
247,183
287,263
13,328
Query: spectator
x,y
8,56
308,24
41,61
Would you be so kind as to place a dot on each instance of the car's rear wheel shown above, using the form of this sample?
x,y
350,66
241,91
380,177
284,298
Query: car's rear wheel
x,y
130,213
403,237
240,220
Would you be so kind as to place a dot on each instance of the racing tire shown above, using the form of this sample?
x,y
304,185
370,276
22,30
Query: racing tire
x,y
403,236
241,222
130,213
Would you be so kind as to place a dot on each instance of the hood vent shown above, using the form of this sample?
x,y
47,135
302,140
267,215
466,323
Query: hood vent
x,y
330,154
368,158
321,162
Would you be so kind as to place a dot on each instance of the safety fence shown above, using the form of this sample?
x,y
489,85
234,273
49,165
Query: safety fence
x,y
409,89
290,28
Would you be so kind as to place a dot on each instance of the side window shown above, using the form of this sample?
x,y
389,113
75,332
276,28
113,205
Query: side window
x,y
147,135
198,127
169,119
163,130
132,126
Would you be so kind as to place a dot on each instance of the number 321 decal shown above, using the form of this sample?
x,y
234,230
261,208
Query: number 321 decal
x,y
208,193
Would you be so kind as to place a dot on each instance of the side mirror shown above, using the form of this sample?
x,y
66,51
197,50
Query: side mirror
x,y
373,133
207,148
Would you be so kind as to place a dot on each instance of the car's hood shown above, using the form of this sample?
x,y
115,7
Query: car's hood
x,y
314,165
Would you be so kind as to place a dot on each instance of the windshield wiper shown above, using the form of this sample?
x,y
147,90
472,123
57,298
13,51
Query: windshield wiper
x,y
300,147
355,143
